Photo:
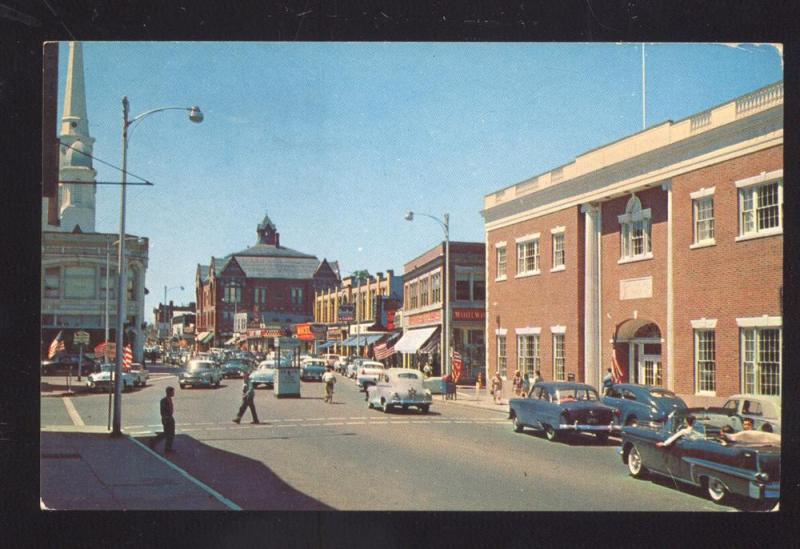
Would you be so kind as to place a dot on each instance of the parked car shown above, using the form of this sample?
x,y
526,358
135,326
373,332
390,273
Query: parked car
x,y
200,373
368,373
351,368
235,368
62,364
765,411
641,403
312,368
103,380
704,458
140,374
331,358
264,375
399,387
560,406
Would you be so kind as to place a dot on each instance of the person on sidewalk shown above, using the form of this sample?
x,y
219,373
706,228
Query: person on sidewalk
x,y
167,421
497,387
329,379
608,381
478,385
526,384
537,377
517,384
427,370
248,400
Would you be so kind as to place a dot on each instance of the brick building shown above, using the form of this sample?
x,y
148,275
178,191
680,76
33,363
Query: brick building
x,y
275,285
661,252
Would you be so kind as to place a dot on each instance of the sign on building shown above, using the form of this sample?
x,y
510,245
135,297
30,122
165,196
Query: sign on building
x,y
347,312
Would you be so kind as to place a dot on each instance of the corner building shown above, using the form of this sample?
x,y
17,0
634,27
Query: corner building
x,y
659,255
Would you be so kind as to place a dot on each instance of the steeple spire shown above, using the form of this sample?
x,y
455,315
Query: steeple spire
x,y
74,120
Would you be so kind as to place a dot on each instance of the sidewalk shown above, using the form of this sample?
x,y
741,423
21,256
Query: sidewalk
x,y
56,386
85,468
465,396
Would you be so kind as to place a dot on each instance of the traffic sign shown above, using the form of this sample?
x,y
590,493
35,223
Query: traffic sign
x,y
80,338
285,342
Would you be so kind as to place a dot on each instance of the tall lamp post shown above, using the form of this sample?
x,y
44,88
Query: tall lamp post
x,y
446,293
195,115
164,312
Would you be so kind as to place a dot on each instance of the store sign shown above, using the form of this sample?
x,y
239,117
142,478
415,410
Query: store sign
x,y
425,318
384,310
469,314
310,332
347,312
334,333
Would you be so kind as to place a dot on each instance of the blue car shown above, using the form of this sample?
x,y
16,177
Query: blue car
x,y
641,403
557,407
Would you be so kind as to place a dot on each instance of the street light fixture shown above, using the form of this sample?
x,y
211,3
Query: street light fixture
x,y
446,293
196,116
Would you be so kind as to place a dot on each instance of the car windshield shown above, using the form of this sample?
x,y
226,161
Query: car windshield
x,y
196,365
234,364
107,368
408,375
663,393
566,395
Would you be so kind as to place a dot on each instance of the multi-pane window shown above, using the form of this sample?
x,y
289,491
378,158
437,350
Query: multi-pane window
x,y
260,295
462,286
559,373
558,250
413,300
705,361
527,353
501,261
79,282
635,231
478,288
52,282
528,256
470,286
502,357
296,295
232,294
436,288
131,285
760,207
703,219
423,292
761,361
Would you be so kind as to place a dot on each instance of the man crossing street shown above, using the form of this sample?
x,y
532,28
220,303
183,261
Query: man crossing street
x,y
167,421
248,398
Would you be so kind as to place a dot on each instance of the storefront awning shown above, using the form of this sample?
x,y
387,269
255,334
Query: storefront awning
x,y
204,337
325,345
412,340
366,339
232,340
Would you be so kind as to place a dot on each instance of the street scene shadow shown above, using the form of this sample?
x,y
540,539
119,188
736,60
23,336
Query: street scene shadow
x,y
575,439
739,503
247,482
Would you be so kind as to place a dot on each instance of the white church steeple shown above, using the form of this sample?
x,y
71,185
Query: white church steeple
x,y
75,161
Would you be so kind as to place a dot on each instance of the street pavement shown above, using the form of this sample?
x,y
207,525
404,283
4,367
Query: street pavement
x,y
308,455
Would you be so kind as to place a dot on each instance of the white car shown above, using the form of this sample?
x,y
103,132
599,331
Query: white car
x,y
140,374
765,411
399,388
103,380
368,373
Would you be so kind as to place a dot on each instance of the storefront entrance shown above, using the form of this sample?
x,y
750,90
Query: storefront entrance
x,y
640,340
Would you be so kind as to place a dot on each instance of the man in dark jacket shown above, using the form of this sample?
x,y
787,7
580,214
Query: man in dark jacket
x,y
248,397
168,421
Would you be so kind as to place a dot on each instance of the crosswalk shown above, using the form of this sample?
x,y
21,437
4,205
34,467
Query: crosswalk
x,y
288,423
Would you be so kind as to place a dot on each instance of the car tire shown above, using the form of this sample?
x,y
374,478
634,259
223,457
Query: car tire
x,y
602,436
216,384
182,385
369,404
635,463
518,426
767,428
716,490
386,407
550,433
424,408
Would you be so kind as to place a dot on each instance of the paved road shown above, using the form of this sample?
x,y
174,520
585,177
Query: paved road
x,y
312,455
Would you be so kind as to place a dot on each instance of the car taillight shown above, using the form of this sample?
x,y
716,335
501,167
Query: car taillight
x,y
617,412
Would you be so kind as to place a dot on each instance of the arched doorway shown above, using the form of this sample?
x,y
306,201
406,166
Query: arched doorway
x,y
637,348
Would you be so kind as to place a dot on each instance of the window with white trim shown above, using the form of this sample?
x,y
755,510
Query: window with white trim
x,y
528,257
635,231
527,353
558,250
423,292
761,208
233,293
502,357
79,282
705,363
501,261
296,296
703,213
413,292
436,288
260,295
761,361
559,370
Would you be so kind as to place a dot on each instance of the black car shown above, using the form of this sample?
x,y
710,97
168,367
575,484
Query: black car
x,y
63,363
236,368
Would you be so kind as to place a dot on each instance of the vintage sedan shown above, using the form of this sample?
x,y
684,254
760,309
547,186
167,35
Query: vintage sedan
x,y
399,388
369,371
706,458
200,373
235,368
265,374
140,374
765,411
560,406
641,403
103,380
312,369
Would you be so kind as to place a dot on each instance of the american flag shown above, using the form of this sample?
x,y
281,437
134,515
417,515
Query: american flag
x,y
383,350
616,369
127,358
57,346
458,365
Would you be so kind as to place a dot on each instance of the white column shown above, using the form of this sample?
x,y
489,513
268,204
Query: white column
x,y
592,322
670,295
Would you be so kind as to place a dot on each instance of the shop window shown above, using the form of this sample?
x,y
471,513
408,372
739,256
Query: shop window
x,y
502,357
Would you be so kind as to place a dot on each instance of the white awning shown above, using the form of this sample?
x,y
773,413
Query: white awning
x,y
232,340
412,340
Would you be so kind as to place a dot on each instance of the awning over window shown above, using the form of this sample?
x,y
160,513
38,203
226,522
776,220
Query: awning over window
x,y
232,340
360,341
325,345
204,337
412,340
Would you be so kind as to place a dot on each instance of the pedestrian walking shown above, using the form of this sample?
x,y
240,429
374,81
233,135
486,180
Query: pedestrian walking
x,y
478,385
167,421
516,383
427,370
329,379
526,384
497,387
537,377
248,401
608,381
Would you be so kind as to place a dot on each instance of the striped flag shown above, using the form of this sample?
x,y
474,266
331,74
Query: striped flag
x,y
127,358
57,346
383,350
458,365
616,369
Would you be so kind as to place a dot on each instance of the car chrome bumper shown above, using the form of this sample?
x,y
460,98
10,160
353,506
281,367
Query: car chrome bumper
x,y
771,490
409,402
583,427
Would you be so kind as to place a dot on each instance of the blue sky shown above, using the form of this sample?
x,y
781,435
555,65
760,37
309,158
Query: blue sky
x,y
336,141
